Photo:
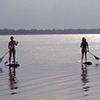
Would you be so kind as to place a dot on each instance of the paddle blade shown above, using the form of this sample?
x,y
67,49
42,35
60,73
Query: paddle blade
x,y
96,58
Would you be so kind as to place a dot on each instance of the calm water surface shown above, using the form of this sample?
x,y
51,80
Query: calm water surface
x,y
50,69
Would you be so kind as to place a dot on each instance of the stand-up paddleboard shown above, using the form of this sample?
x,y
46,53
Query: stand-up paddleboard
x,y
16,64
13,65
87,63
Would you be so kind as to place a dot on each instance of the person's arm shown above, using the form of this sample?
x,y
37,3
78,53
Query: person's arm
x,y
87,48
81,45
9,46
16,43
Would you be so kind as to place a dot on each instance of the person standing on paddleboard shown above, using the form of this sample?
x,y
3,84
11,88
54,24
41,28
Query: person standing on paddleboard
x,y
85,49
11,46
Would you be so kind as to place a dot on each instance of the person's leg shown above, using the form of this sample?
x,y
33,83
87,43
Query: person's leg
x,y
82,57
10,54
14,52
85,57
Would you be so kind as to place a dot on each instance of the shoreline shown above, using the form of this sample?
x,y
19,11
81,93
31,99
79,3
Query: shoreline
x,y
48,31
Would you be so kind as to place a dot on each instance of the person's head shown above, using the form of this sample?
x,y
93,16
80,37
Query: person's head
x,y
12,38
83,39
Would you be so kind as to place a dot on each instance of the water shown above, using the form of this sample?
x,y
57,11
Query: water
x,y
50,69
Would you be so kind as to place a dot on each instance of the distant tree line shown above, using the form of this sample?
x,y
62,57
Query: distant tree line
x,y
48,31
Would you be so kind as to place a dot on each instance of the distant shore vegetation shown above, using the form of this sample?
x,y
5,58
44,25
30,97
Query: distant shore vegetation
x,y
48,31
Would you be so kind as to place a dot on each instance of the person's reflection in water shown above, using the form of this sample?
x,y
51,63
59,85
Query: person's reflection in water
x,y
13,82
1,71
85,79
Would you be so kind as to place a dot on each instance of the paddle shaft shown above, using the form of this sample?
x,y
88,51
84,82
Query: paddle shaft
x,y
4,55
91,53
7,52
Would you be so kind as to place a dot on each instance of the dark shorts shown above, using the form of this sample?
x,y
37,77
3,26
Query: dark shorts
x,y
12,51
84,51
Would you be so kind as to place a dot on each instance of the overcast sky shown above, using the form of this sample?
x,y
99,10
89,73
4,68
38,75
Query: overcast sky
x,y
49,14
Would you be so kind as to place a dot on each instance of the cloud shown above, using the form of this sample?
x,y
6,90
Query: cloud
x,y
45,14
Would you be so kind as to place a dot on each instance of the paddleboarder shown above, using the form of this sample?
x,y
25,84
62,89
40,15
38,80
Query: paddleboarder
x,y
11,46
85,49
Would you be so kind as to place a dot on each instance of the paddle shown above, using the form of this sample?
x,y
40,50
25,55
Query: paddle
x,y
3,56
97,58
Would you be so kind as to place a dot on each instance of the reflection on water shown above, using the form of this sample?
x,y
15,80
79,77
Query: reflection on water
x,y
13,82
50,71
1,70
84,79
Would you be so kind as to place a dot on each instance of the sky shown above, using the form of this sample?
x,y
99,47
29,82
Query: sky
x,y
49,14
